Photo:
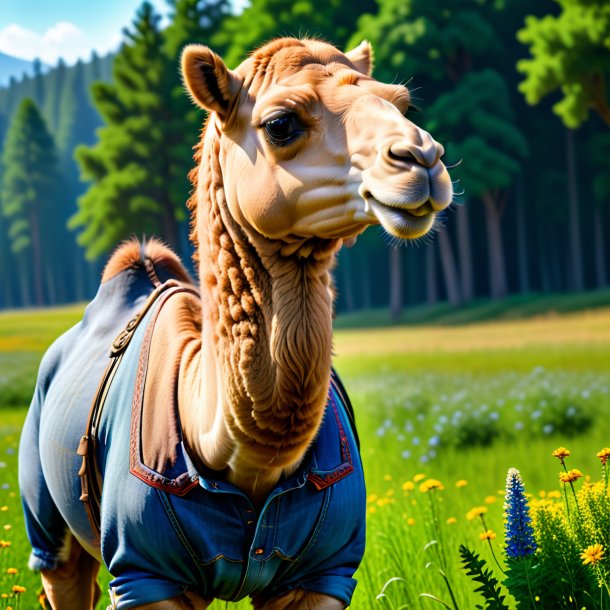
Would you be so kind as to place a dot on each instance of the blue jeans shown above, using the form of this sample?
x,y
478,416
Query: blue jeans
x,y
171,528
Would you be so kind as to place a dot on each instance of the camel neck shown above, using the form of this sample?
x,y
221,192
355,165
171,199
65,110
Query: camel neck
x,y
266,346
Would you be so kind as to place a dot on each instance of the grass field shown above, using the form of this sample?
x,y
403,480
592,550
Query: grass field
x,y
459,404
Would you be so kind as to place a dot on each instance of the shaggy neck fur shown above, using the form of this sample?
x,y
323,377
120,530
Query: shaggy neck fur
x,y
266,342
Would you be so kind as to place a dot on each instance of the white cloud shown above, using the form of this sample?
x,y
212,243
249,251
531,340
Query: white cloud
x,y
63,39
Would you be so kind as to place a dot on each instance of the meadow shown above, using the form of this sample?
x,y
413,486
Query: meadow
x,y
443,412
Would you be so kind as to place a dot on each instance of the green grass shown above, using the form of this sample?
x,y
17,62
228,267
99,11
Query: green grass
x,y
521,388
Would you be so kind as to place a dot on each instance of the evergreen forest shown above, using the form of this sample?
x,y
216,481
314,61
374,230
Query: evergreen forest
x,y
517,92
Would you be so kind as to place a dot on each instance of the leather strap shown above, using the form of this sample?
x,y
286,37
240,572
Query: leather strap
x,y
90,477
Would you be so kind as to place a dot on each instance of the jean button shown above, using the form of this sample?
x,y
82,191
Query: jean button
x,y
259,551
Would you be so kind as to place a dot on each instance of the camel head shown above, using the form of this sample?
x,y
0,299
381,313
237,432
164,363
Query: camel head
x,y
312,146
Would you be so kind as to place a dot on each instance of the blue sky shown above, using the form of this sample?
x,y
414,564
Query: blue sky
x,y
68,28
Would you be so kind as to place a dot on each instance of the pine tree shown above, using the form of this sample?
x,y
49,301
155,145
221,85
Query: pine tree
x,y
55,82
569,53
262,20
29,191
448,48
130,166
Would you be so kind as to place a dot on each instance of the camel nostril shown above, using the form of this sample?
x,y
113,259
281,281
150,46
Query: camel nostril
x,y
401,153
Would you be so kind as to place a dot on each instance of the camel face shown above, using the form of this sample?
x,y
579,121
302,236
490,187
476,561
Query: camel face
x,y
312,146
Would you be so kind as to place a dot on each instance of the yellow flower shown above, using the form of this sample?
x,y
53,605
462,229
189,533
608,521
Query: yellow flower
x,y
554,494
408,485
490,499
372,498
592,554
461,483
477,511
8,527
372,510
429,484
387,477
451,520
12,571
390,492
18,589
561,453
4,543
570,476
419,477
488,535
3,508
603,455
542,494
410,521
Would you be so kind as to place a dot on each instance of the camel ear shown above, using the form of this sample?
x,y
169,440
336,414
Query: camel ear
x,y
362,57
208,80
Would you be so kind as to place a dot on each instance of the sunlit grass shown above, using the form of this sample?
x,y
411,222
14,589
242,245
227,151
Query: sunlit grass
x,y
521,389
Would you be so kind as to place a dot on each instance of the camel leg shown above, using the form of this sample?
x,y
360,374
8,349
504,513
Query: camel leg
x,y
299,599
73,585
186,601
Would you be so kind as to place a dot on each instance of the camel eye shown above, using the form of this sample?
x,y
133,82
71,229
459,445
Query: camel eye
x,y
283,130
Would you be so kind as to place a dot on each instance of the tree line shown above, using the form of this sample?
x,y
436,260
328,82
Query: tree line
x,y
516,91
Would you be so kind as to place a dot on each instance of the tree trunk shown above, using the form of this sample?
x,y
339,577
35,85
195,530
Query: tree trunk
x,y
50,283
348,291
170,229
524,275
575,265
465,253
497,267
559,275
601,273
395,283
431,279
449,268
366,281
36,260
545,272
24,279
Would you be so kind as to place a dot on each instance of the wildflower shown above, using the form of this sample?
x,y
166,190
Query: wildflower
x,y
8,527
372,498
519,533
554,494
18,589
451,520
490,499
419,477
561,453
3,508
488,535
410,521
4,543
12,571
475,512
461,483
408,486
387,477
570,476
592,554
603,455
429,484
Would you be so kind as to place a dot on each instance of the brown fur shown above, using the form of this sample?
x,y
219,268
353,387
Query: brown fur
x,y
129,255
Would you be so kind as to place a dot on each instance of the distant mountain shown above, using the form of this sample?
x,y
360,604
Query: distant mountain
x,y
13,66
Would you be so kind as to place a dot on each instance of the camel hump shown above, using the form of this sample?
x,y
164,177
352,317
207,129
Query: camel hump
x,y
152,255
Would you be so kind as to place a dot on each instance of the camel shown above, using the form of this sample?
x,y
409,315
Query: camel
x,y
220,437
